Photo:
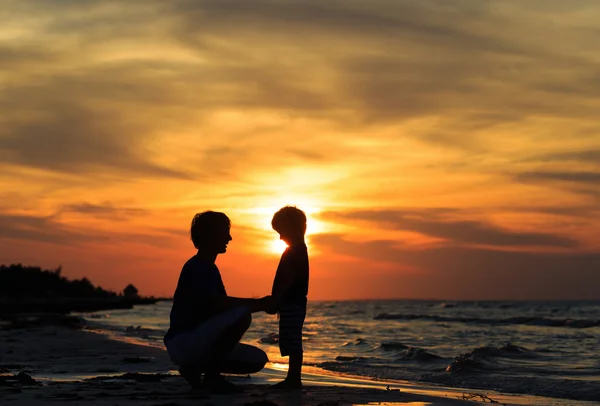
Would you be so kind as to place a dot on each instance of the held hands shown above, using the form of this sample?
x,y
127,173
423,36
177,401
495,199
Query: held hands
x,y
269,305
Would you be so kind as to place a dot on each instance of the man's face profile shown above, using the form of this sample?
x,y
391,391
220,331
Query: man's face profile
x,y
221,238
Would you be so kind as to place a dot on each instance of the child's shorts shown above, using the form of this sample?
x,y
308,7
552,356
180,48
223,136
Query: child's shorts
x,y
291,320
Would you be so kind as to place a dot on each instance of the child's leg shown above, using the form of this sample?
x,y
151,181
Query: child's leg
x,y
290,343
295,368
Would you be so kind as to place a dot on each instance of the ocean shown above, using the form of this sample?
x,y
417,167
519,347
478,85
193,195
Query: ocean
x,y
540,348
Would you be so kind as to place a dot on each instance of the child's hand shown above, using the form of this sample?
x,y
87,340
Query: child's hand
x,y
269,306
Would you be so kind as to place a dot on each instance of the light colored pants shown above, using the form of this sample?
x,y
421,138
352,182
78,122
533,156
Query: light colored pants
x,y
194,347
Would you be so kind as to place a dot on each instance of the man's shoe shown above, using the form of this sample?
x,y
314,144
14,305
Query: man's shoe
x,y
288,385
217,384
192,376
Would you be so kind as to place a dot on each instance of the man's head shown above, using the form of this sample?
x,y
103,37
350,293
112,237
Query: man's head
x,y
290,223
210,231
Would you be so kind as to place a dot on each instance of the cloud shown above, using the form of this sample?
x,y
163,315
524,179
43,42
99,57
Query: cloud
x,y
42,229
468,272
586,178
581,182
588,156
105,210
48,229
391,60
435,222
68,137
375,62
573,212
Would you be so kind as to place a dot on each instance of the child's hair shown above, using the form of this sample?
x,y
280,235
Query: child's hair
x,y
205,224
290,216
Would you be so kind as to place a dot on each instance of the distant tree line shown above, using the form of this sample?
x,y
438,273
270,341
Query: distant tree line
x,y
18,281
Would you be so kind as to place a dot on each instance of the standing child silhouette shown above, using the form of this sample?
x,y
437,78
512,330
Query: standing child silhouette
x,y
290,289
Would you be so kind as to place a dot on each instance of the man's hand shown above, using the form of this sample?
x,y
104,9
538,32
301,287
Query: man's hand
x,y
269,305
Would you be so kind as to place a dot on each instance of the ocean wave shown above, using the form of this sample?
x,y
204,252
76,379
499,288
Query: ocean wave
x,y
418,354
344,358
408,353
393,346
479,358
358,341
558,388
530,321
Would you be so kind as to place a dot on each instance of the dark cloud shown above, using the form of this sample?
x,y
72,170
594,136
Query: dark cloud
x,y
437,223
579,182
74,139
379,19
591,156
573,212
585,178
48,229
392,60
480,273
15,57
105,210
42,229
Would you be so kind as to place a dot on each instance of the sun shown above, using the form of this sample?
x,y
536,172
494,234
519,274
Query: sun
x,y
264,214
278,246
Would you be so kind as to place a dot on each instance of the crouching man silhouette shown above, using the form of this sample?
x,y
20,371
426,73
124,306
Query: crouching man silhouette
x,y
206,325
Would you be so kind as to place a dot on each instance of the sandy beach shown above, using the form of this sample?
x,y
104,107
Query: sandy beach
x,y
87,367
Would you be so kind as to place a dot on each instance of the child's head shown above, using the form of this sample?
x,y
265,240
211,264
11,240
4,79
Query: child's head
x,y
290,223
211,230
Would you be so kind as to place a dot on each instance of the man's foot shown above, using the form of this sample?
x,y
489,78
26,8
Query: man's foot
x,y
192,376
288,384
217,384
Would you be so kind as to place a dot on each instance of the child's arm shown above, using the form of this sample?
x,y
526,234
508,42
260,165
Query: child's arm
x,y
285,281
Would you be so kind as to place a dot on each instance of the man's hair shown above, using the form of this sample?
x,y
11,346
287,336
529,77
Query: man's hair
x,y
205,224
290,216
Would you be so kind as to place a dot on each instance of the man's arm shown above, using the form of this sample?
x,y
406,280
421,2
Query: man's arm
x,y
224,303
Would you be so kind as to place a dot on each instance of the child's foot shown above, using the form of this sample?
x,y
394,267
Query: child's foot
x,y
288,384
192,376
217,384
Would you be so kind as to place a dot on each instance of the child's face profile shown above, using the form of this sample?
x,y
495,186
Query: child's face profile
x,y
285,236
290,234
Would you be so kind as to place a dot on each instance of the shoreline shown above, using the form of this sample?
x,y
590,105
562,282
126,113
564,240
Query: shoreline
x,y
11,309
94,367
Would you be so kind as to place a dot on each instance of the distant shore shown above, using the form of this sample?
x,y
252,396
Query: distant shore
x,y
66,305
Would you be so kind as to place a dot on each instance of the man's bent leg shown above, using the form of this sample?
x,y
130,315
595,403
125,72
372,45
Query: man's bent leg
x,y
226,341
193,351
244,359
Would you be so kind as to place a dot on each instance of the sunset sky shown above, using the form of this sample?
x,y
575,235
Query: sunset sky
x,y
442,149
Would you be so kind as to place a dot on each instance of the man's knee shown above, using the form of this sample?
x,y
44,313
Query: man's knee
x,y
245,320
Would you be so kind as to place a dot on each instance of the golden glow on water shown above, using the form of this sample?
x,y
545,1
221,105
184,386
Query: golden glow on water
x,y
279,367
